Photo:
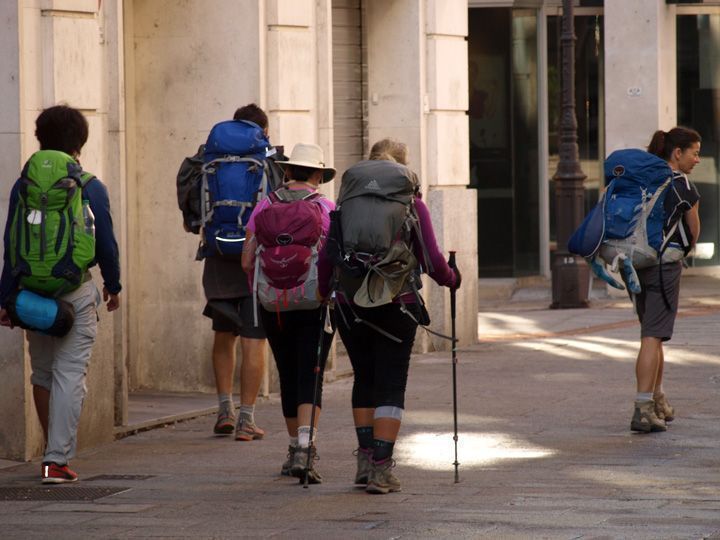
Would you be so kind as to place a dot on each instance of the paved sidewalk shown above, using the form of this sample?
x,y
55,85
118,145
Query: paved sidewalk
x,y
545,401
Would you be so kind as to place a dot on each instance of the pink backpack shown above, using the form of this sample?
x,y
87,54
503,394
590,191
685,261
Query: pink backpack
x,y
288,233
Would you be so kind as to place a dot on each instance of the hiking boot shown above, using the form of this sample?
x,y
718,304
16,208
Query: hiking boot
x,y
644,418
300,466
382,480
364,455
52,473
663,409
247,431
285,471
225,422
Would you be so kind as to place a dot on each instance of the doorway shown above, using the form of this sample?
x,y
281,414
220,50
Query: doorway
x,y
504,141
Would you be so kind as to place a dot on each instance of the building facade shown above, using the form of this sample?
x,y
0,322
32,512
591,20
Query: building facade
x,y
470,85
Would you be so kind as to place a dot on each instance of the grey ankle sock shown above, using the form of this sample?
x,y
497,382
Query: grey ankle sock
x,y
643,396
247,413
225,402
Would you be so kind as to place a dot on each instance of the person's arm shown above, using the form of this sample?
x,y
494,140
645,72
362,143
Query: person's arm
x,y
441,271
692,219
8,282
248,255
106,249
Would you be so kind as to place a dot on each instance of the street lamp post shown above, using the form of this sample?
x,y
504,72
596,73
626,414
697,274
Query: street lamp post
x,y
570,274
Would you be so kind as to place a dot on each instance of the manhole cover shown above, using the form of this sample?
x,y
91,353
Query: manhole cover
x,y
127,477
57,493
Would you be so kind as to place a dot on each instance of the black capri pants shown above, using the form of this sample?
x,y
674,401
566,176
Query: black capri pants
x,y
380,364
293,338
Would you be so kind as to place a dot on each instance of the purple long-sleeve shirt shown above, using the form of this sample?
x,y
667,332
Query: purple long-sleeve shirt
x,y
441,273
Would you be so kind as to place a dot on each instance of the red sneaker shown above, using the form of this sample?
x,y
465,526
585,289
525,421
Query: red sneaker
x,y
52,473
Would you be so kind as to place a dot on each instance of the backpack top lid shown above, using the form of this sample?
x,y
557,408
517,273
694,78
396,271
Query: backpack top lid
x,y
636,166
45,167
380,178
236,137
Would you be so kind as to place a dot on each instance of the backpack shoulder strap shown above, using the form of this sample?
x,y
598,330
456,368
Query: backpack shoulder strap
x,y
86,178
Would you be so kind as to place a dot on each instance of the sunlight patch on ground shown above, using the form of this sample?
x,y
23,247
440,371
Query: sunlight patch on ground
x,y
552,349
593,347
491,323
611,351
436,451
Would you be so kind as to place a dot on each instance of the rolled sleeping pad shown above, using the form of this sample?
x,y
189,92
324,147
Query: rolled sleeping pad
x,y
32,311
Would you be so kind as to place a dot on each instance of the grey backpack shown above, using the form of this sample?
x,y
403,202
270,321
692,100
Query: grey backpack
x,y
371,233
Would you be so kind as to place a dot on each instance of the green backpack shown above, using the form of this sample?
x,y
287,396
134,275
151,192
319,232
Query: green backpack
x,y
52,234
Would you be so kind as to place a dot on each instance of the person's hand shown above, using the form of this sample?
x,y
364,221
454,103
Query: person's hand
x,y
319,297
5,319
458,279
112,300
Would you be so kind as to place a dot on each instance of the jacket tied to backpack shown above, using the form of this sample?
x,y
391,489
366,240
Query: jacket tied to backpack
x,y
629,228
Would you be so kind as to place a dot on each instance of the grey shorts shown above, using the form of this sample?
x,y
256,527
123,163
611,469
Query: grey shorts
x,y
235,315
656,320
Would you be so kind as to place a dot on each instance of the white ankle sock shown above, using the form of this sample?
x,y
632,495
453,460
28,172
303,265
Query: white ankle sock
x,y
643,396
304,436
293,442
247,413
226,402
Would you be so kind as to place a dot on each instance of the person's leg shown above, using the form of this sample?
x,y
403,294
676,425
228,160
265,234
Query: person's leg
x,y
663,409
307,329
252,369
392,362
41,397
660,287
71,358
647,364
251,376
284,355
41,360
357,343
223,359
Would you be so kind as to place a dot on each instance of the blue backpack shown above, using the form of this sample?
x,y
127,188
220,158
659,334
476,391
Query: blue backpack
x,y
235,178
628,228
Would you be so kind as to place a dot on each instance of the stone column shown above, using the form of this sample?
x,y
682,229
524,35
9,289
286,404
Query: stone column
x,y
642,92
417,88
15,398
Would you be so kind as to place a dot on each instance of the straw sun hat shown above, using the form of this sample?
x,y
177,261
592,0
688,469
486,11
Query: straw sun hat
x,y
309,155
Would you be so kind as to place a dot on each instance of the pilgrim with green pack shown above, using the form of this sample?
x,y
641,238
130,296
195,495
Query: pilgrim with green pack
x,y
52,239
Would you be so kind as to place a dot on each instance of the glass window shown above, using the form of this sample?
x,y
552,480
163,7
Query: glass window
x,y
502,75
698,106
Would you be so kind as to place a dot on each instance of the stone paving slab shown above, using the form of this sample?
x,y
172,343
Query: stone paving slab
x,y
544,450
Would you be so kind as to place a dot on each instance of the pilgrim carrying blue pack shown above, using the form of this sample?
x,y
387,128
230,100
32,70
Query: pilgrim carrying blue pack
x,y
235,178
627,229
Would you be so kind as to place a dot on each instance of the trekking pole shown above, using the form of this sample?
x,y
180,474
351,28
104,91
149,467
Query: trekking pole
x,y
452,264
311,443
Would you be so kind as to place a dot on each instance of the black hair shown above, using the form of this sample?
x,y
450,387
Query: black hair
x,y
663,143
299,173
253,113
62,128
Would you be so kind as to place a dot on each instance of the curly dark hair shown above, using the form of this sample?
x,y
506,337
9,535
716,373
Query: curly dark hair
x,y
62,128
253,113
